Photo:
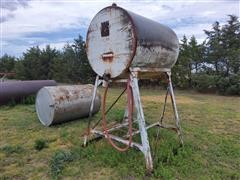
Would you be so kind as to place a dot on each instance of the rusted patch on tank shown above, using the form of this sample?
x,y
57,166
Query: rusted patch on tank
x,y
108,57
90,29
65,95
59,99
68,97
63,90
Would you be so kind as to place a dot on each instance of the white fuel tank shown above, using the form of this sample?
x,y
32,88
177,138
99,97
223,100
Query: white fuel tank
x,y
57,104
118,39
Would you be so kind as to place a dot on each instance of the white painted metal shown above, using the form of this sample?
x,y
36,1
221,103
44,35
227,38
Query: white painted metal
x,y
119,139
175,107
97,83
141,122
133,41
118,42
44,107
93,97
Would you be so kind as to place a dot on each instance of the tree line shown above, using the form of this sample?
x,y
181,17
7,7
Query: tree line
x,y
69,65
210,66
214,64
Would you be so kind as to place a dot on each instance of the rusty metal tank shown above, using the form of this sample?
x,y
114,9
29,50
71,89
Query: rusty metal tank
x,y
16,90
65,103
118,39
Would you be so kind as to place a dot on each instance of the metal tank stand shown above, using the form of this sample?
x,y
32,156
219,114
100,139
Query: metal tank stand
x,y
144,146
179,131
141,122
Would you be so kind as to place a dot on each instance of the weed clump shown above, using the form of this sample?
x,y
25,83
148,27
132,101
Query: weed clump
x,y
28,100
9,149
40,144
58,161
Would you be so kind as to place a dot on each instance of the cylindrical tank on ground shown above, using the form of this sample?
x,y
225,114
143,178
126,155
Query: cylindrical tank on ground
x,y
64,103
118,39
19,89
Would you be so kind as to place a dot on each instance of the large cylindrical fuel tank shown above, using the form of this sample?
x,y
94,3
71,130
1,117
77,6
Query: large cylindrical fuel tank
x,y
19,89
118,39
64,103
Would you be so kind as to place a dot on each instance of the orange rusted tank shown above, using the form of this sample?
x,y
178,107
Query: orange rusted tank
x,y
64,103
118,39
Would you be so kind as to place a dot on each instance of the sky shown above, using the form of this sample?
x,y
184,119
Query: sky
x,y
27,23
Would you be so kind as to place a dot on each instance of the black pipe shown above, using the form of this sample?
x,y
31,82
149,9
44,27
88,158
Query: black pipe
x,y
17,90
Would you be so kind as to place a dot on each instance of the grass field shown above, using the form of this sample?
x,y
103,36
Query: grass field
x,y
210,123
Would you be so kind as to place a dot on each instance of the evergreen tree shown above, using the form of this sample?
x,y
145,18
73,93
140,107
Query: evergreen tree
x,y
36,63
195,54
85,71
231,44
72,64
47,56
7,63
59,69
20,70
182,69
31,63
215,49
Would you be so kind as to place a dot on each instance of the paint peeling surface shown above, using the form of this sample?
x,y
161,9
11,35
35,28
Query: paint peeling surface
x,y
63,103
118,39
110,42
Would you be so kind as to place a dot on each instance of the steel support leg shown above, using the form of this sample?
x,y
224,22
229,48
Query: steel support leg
x,y
141,123
93,96
175,107
91,108
125,116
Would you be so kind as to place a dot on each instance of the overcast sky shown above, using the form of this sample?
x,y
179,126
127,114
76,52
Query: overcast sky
x,y
26,23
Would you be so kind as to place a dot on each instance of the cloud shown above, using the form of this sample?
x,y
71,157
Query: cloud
x,y
13,49
12,5
56,45
18,48
26,23
8,6
6,17
50,16
196,30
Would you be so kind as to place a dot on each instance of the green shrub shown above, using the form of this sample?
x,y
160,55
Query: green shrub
x,y
228,85
58,161
25,100
204,82
28,100
40,144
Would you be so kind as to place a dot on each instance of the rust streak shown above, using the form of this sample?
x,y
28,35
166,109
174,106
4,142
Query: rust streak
x,y
108,57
